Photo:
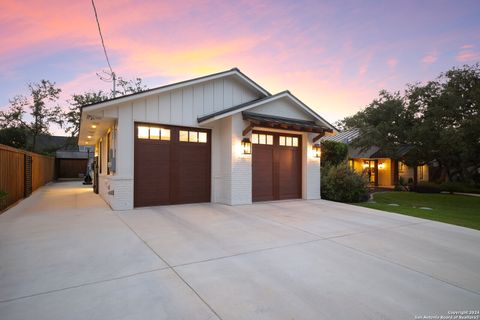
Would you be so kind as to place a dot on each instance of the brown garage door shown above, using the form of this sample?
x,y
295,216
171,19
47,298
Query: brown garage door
x,y
276,166
172,165
72,168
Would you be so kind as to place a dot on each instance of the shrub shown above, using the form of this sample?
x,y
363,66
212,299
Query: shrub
x,y
333,153
426,187
460,187
340,183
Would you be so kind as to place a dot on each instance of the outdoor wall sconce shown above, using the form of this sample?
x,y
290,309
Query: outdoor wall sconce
x,y
316,150
246,146
381,166
366,165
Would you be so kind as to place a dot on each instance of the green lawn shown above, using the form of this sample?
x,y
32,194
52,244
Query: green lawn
x,y
454,209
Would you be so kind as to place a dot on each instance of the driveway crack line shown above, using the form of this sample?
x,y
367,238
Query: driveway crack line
x,y
403,266
171,268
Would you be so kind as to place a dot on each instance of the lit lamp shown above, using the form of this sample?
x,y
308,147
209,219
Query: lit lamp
x,y
381,166
316,150
366,165
246,146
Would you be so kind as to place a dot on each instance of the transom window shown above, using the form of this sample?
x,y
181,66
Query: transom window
x,y
288,141
153,133
259,138
192,136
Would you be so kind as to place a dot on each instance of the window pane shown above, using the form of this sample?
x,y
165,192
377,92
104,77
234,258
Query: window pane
x,y
295,142
262,139
281,141
183,136
255,138
288,141
165,134
142,132
202,137
154,133
269,139
193,136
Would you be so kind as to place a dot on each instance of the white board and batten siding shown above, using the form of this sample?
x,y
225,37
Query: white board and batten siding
x,y
183,106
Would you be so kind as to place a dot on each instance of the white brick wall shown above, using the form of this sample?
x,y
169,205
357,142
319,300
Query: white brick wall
x,y
117,191
241,165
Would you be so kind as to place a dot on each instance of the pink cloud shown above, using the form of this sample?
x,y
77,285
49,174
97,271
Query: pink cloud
x,y
468,55
392,63
430,58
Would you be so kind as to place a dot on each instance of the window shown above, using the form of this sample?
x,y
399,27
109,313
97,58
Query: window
x,y
192,136
351,164
420,173
153,133
401,167
288,141
108,152
258,138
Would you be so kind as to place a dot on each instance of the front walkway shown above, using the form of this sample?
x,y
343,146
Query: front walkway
x,y
65,255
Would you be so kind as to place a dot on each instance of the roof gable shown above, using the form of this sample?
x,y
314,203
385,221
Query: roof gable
x,y
178,85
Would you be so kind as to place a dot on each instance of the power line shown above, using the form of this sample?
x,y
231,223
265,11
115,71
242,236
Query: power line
x,y
112,74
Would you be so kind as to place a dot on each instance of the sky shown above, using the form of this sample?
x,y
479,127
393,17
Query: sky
x,y
333,55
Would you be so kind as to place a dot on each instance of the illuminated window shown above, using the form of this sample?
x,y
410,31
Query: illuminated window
x,y
155,133
258,138
295,142
193,136
401,167
142,132
288,141
165,134
202,137
183,136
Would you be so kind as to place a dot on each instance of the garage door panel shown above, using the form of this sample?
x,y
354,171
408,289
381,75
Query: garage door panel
x,y
262,173
289,173
152,171
193,175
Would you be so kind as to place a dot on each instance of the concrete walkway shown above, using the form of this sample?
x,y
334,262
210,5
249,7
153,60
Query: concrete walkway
x,y
65,255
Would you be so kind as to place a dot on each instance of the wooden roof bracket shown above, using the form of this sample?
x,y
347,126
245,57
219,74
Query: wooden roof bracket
x,y
315,139
247,129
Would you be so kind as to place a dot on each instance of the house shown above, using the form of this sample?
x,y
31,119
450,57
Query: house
x,y
382,171
220,138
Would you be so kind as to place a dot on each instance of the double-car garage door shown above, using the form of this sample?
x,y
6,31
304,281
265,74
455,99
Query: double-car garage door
x,y
172,165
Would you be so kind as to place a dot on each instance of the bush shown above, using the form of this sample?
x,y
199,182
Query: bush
x,y
460,187
340,183
426,187
333,153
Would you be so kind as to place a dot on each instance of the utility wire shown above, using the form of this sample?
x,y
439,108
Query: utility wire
x,y
112,74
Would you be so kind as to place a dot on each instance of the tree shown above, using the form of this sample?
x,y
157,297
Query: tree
x,y
76,102
41,107
439,120
333,153
15,137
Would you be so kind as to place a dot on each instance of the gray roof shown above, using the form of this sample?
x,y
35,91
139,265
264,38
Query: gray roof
x,y
343,137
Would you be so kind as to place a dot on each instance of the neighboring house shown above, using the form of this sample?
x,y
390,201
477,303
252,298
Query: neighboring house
x,y
220,138
71,161
382,171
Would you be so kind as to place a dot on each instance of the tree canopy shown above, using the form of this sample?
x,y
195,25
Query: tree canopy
x,y
439,120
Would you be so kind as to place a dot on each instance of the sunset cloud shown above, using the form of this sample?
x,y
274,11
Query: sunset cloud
x,y
430,58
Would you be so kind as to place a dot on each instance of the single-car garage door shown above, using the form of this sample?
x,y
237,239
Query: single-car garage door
x,y
172,165
276,166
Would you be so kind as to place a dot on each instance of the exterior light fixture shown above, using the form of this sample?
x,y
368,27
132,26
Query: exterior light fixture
x,y
317,150
246,146
89,137
366,165
381,166
94,126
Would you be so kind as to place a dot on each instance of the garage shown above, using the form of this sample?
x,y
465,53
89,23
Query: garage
x,y
276,166
71,168
172,165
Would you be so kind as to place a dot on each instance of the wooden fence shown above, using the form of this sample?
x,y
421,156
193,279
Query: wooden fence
x,y
21,173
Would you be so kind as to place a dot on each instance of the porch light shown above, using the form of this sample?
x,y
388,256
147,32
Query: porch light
x,y
366,165
317,150
381,166
246,146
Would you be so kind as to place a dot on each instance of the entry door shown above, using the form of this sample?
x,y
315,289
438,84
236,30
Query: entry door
x,y
172,165
371,168
276,166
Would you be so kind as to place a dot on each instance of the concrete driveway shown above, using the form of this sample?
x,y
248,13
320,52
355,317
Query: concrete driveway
x,y
65,255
